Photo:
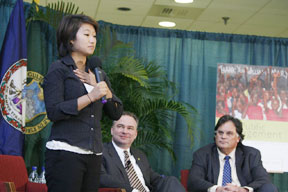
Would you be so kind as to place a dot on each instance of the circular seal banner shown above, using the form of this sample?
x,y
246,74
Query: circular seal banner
x,y
11,102
36,116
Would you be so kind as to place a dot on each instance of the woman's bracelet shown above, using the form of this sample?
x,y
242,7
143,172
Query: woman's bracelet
x,y
89,98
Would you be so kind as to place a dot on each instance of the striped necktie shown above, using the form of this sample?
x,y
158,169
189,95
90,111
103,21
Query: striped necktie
x,y
132,176
226,172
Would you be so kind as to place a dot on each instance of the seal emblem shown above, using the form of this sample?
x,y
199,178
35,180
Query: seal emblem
x,y
11,102
36,116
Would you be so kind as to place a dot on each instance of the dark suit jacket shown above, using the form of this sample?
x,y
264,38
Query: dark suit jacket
x,y
205,168
113,173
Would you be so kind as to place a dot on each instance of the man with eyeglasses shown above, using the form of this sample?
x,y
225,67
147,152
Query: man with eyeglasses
x,y
228,165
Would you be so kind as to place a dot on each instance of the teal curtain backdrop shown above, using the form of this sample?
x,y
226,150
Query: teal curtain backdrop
x,y
190,59
6,7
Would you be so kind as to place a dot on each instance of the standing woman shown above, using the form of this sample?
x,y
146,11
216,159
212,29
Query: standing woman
x,y
73,104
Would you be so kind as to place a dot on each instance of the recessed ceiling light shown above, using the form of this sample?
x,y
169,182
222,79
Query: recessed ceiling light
x,y
167,24
183,1
124,9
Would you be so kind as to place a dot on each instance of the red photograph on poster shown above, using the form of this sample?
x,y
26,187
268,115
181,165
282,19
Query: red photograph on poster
x,y
252,92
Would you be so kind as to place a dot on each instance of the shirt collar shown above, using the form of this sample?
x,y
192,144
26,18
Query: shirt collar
x,y
68,60
222,155
120,150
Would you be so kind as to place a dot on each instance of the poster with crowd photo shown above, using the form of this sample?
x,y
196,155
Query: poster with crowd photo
x,y
258,96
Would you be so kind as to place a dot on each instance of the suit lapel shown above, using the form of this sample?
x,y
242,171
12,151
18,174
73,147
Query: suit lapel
x,y
140,163
216,164
239,162
115,157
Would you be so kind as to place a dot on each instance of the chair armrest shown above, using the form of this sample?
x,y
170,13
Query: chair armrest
x,y
184,177
36,187
7,186
111,190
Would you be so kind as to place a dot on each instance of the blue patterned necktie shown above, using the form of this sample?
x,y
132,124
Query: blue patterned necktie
x,y
226,172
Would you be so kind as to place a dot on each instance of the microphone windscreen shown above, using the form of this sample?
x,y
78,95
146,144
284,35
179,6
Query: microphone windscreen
x,y
94,62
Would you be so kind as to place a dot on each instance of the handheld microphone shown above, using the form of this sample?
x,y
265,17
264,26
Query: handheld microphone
x,y
94,64
98,75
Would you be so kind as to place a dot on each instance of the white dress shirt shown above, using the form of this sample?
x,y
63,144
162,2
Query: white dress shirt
x,y
120,152
232,161
59,145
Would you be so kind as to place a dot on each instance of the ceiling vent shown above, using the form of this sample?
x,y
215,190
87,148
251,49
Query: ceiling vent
x,y
166,11
175,12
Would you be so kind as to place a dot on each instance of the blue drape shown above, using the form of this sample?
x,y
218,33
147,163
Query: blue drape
x,y
190,59
12,55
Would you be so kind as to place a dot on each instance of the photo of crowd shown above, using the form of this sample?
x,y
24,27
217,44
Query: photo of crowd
x,y
252,92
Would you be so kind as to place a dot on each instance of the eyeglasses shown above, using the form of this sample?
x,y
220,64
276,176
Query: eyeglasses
x,y
228,133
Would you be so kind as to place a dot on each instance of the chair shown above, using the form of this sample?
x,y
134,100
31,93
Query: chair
x,y
184,177
13,174
13,169
7,187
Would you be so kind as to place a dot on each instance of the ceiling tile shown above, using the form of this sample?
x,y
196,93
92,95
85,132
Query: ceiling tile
x,y
245,5
196,3
137,7
256,17
271,20
175,12
152,21
259,30
279,7
216,14
121,19
207,26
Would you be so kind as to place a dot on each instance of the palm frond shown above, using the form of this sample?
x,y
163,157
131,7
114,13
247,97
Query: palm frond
x,y
154,70
162,104
110,49
53,13
158,105
132,68
147,139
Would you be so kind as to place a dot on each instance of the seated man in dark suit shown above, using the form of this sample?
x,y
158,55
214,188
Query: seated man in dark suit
x,y
128,168
228,165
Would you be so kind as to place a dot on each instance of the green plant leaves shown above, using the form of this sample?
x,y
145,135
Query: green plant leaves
x,y
52,13
144,90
